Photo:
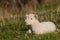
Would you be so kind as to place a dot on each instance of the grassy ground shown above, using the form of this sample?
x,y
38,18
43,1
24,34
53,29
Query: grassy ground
x,y
12,27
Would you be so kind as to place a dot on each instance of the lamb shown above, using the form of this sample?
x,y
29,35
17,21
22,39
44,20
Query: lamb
x,y
39,27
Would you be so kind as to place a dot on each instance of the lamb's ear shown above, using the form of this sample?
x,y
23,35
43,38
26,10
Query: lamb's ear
x,y
36,16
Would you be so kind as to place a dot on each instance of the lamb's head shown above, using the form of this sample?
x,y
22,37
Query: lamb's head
x,y
30,19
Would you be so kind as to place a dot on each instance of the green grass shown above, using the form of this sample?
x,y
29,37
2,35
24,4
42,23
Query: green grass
x,y
14,28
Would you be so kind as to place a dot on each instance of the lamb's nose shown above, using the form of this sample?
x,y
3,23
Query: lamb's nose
x,y
25,21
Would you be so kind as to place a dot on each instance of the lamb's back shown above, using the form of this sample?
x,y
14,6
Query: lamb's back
x,y
48,25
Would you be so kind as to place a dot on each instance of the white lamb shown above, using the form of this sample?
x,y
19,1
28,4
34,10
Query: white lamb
x,y
39,27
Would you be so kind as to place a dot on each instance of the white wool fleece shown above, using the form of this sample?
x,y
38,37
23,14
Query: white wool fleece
x,y
43,27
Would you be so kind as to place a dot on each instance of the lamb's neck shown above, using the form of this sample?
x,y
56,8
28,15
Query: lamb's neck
x,y
36,23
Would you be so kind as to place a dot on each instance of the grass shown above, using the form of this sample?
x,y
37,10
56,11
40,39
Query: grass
x,y
14,28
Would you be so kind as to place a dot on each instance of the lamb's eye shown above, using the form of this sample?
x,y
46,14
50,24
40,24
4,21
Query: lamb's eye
x,y
31,18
